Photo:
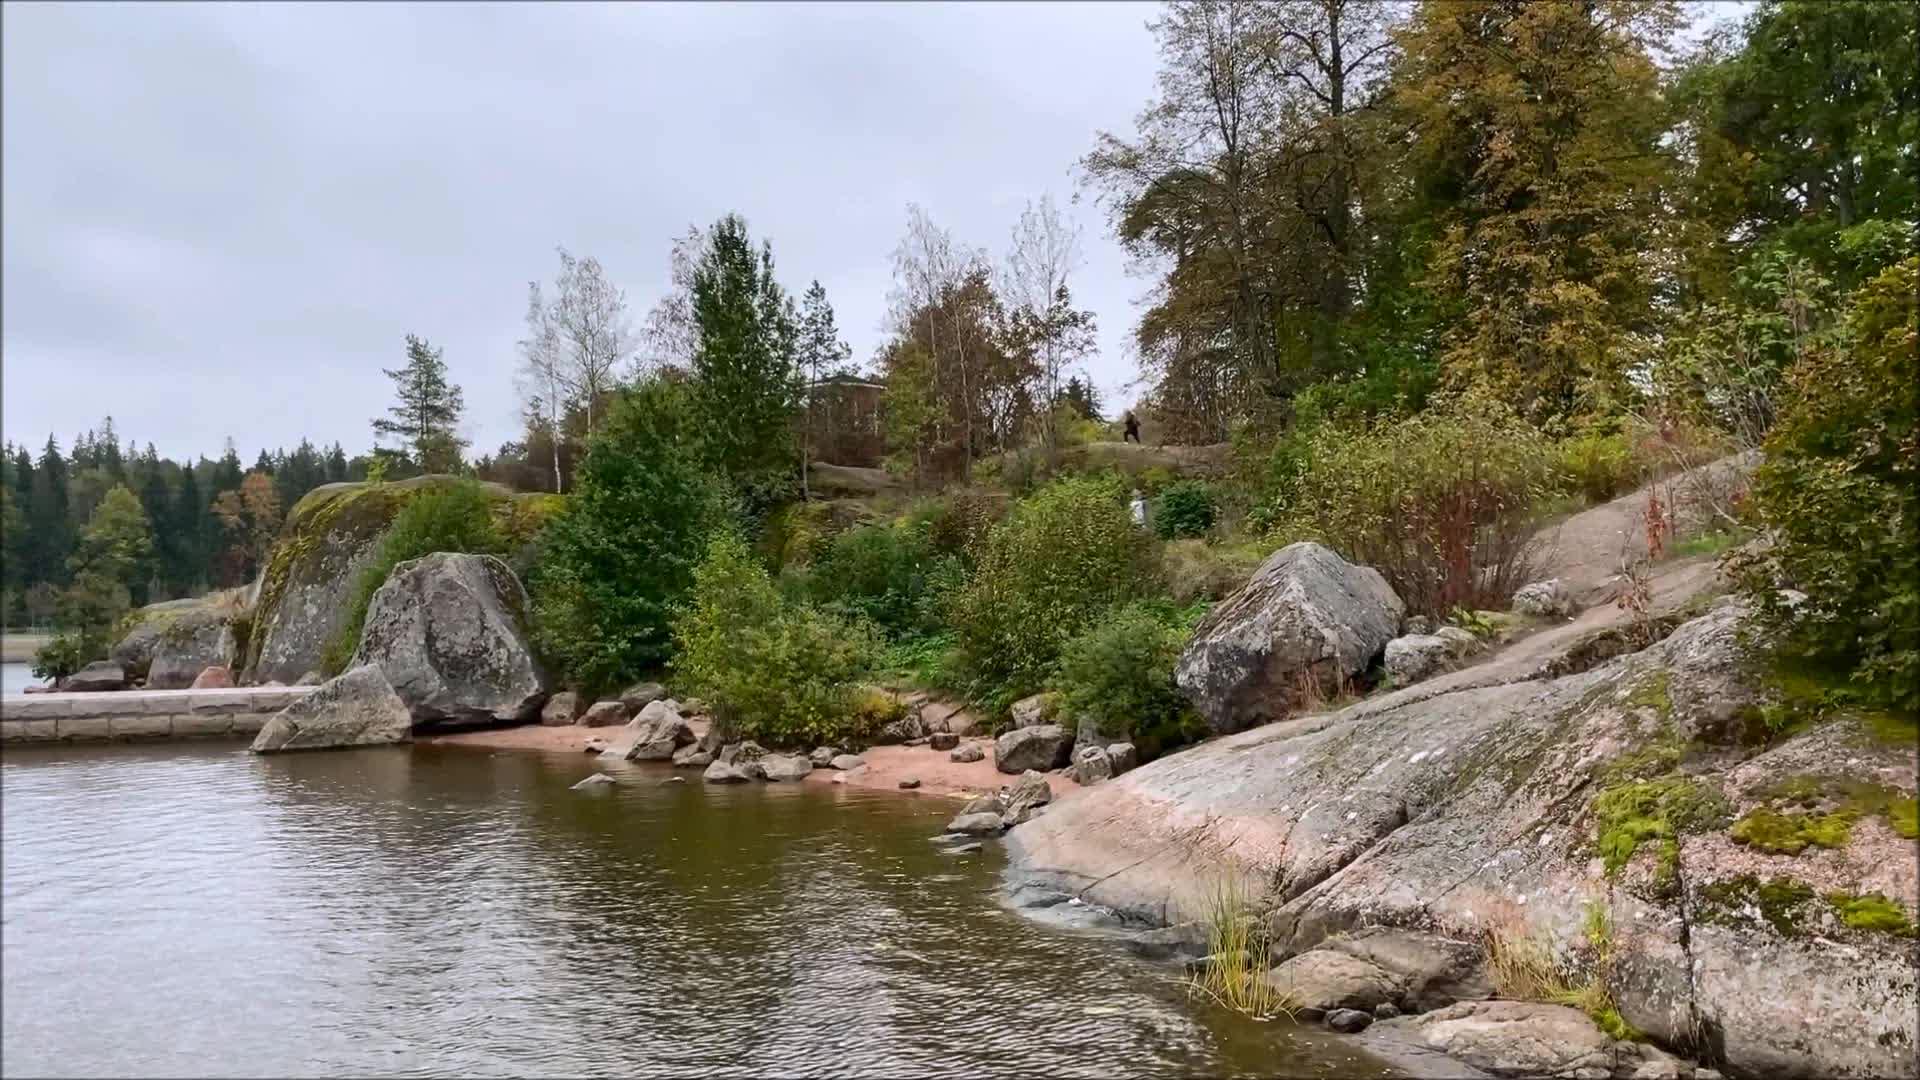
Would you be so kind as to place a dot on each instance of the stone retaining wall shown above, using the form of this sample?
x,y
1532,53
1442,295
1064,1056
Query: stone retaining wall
x,y
144,715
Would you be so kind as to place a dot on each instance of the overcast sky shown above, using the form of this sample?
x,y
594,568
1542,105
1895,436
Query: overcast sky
x,y
223,220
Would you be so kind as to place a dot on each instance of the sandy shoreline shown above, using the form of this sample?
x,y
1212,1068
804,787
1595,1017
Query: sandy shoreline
x,y
886,765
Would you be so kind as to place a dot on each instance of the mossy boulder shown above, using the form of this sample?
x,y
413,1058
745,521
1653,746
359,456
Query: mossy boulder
x,y
141,629
330,536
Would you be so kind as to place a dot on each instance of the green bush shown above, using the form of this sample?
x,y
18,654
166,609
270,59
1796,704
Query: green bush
x,y
1443,503
889,574
782,673
67,652
1183,508
1840,492
1064,556
618,558
456,518
1598,466
1118,672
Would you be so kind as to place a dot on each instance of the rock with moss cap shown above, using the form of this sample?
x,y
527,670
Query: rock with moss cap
x,y
331,534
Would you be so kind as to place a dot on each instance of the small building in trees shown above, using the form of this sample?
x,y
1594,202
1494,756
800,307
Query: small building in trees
x,y
845,420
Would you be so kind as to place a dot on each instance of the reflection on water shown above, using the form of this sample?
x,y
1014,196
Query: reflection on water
x,y
436,910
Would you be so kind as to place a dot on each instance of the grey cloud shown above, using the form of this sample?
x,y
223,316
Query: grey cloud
x,y
223,219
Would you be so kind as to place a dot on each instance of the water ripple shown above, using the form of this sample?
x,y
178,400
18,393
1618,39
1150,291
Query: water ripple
x,y
426,911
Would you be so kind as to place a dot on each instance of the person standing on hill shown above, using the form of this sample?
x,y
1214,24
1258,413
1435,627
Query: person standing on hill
x,y
1133,427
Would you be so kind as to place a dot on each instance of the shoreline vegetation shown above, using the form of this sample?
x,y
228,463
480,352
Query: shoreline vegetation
x,y
1504,644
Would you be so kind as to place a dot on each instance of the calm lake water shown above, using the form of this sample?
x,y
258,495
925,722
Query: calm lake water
x,y
193,910
15,678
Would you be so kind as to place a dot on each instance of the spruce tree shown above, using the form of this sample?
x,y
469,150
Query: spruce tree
x,y
427,415
743,363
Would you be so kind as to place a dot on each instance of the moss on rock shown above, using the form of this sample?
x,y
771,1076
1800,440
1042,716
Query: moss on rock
x,y
329,535
1874,913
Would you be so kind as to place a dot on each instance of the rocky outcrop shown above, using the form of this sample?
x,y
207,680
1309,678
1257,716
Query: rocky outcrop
x,y
171,642
313,568
1046,746
359,708
1499,800
451,633
214,678
1306,617
97,676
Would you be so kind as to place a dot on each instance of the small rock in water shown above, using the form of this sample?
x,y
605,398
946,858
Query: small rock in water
x,y
1386,1010
674,780
981,823
722,773
909,783
595,746
967,753
1348,1021
595,780
960,849
943,740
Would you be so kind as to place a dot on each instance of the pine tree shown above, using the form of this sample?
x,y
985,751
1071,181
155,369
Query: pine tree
x,y
743,363
336,464
427,416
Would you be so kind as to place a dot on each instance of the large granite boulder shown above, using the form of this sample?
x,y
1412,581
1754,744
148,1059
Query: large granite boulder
x,y
1306,623
1508,801
190,645
331,535
450,632
359,708
181,635
1043,747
